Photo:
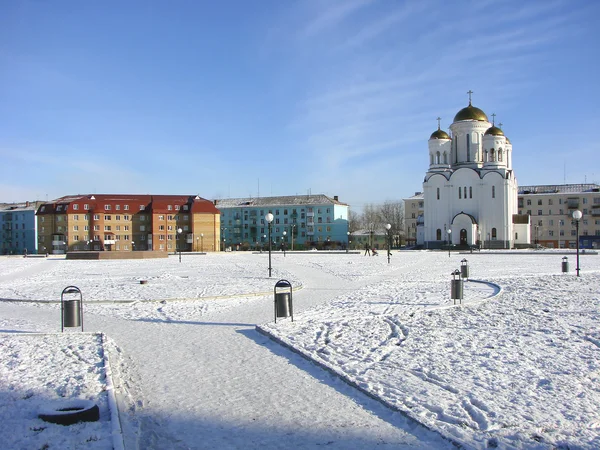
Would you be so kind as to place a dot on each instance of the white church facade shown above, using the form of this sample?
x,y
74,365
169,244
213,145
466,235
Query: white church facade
x,y
470,189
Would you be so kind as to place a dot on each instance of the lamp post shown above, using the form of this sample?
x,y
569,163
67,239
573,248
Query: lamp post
x,y
577,217
269,219
347,241
132,245
197,239
179,231
292,232
283,242
388,227
202,242
536,234
449,241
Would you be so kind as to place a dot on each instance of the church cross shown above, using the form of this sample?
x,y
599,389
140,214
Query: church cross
x,y
500,124
493,118
470,92
438,119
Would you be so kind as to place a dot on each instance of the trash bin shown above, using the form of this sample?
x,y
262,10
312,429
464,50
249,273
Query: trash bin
x,y
456,287
283,299
464,269
565,264
71,310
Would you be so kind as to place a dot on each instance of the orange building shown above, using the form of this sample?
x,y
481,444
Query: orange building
x,y
127,223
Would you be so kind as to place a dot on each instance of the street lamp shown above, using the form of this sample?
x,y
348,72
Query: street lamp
x,y
269,219
202,242
577,216
536,235
132,245
348,241
449,241
388,227
179,231
283,242
197,239
292,227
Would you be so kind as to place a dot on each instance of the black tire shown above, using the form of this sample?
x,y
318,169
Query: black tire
x,y
70,412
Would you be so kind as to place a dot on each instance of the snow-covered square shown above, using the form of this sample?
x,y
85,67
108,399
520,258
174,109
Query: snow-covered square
x,y
377,355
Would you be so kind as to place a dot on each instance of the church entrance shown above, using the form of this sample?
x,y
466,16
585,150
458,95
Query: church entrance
x,y
463,237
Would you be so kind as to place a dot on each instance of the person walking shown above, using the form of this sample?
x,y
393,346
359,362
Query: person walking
x,y
367,249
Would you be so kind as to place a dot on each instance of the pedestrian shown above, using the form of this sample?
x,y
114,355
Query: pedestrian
x,y
367,249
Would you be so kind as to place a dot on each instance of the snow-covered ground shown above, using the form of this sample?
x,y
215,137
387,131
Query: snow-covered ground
x,y
517,365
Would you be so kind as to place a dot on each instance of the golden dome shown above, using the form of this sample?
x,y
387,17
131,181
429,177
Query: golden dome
x,y
508,141
470,113
494,131
439,134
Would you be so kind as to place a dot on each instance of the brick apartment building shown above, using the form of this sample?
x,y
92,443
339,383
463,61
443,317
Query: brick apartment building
x,y
118,222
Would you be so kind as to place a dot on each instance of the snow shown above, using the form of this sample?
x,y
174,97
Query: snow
x,y
195,359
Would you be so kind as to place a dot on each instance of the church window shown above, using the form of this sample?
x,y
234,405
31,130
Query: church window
x,y
485,156
516,236
492,155
468,147
493,191
494,234
459,192
437,158
445,158
431,159
470,191
465,191
438,193
499,154
438,234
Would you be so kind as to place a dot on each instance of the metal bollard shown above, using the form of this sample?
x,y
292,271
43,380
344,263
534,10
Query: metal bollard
x,y
456,287
283,300
71,311
565,264
464,269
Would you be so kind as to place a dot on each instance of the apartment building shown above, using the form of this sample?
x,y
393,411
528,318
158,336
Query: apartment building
x,y
551,209
302,221
115,222
18,228
413,215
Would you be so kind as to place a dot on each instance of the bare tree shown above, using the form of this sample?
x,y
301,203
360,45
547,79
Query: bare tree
x,y
392,212
354,221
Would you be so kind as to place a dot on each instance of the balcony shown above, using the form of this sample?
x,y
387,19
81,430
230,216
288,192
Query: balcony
x,y
573,203
595,211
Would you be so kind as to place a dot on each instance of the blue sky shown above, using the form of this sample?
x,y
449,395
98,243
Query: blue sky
x,y
269,97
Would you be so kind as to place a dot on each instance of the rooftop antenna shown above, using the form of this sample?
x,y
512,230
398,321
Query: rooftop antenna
x,y
470,92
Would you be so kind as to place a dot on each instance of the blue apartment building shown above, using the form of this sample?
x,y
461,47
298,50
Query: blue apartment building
x,y
18,228
299,221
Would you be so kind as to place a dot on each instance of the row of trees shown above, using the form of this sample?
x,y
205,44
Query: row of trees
x,y
375,217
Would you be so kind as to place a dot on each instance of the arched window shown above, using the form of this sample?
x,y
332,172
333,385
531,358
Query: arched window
x,y
465,191
468,147
499,154
438,235
459,192
470,191
493,234
493,191
438,193
485,159
437,158
492,155
445,158
431,158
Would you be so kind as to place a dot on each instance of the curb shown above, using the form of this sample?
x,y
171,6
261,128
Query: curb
x,y
115,421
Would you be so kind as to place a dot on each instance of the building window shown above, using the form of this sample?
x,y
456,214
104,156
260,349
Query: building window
x,y
550,202
75,217
169,208
438,234
438,193
539,212
106,227
459,193
117,217
107,217
126,217
161,217
107,207
142,227
75,227
528,202
142,207
96,216
493,234
176,207
75,207
493,191
86,207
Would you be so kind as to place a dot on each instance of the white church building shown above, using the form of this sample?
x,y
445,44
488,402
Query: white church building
x,y
470,189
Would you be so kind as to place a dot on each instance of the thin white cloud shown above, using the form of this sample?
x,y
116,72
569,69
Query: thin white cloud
x,y
330,14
